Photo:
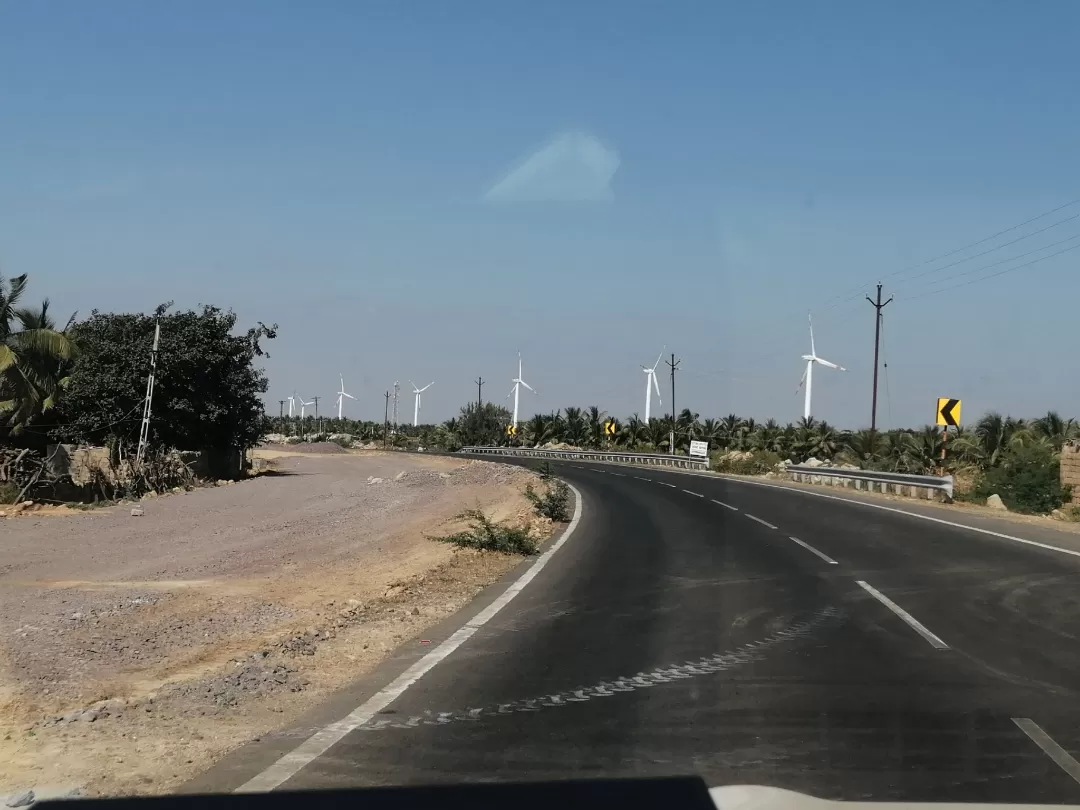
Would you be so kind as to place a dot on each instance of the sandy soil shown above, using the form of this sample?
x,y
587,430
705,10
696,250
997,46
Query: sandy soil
x,y
136,650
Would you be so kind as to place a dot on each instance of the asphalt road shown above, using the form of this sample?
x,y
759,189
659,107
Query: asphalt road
x,y
754,636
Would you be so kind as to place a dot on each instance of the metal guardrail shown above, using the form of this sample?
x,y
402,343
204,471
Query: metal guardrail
x,y
942,483
655,459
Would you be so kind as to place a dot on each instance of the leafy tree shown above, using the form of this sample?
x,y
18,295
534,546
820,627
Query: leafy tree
x,y
34,358
207,389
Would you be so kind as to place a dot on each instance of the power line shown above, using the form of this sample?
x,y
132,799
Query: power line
x,y
993,275
1001,262
966,247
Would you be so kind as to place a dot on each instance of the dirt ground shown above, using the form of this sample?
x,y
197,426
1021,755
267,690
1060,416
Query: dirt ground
x,y
135,651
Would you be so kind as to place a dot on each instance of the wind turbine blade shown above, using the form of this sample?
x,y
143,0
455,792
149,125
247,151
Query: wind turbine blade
x,y
656,385
802,382
528,386
827,364
350,396
511,392
426,387
658,358
811,322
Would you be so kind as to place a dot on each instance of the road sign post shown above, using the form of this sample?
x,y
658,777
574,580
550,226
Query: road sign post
x,y
948,415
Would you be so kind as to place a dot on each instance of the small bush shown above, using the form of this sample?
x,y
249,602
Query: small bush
x,y
1028,480
488,536
342,440
553,504
757,462
545,470
9,491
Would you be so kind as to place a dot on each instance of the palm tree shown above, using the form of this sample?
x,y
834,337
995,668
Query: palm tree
x,y
631,432
1055,429
536,429
577,429
596,427
729,427
34,357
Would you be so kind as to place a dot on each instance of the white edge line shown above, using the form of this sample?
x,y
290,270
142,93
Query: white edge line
x,y
813,550
932,519
911,621
759,520
1061,757
691,492
726,505
319,742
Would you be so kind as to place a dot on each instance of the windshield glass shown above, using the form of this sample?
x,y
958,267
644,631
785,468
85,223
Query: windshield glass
x,y
415,393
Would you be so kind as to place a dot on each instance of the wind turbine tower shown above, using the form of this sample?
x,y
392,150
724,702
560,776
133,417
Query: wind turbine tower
x,y
292,404
416,407
650,384
341,396
516,390
808,375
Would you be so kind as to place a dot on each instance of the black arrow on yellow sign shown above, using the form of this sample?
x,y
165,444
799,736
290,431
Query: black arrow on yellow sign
x,y
948,412
609,428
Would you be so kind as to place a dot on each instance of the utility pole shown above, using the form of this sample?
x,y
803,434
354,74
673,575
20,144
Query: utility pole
x,y
281,409
395,405
674,364
386,419
144,430
479,388
878,306
316,401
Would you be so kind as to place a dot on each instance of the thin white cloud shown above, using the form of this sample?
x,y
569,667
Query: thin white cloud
x,y
573,167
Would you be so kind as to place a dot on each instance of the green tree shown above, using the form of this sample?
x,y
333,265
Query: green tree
x,y
207,394
34,358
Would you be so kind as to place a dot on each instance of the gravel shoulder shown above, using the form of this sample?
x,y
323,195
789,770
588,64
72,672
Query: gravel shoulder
x,y
134,651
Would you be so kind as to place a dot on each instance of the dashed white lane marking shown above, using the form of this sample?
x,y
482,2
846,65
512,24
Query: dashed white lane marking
x,y
1061,757
639,478
726,505
318,743
665,484
621,475
912,622
691,492
918,515
759,520
813,550
747,653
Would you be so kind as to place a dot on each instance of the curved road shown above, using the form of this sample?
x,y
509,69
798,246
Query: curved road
x,y
751,635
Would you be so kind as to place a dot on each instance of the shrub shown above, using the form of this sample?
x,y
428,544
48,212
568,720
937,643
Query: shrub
x,y
757,462
488,536
553,504
1028,480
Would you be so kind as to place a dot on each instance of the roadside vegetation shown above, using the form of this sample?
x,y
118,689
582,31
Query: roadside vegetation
x,y
486,535
83,384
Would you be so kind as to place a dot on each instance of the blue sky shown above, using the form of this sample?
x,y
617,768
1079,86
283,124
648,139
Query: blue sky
x,y
419,190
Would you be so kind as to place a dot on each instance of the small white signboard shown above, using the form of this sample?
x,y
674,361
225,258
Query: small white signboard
x,y
699,449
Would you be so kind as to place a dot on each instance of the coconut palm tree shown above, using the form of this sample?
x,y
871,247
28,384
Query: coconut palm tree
x,y
576,432
596,426
1054,429
34,357
729,427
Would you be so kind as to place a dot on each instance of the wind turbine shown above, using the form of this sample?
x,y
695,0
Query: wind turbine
x,y
650,383
416,407
516,390
304,405
808,375
292,403
341,396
